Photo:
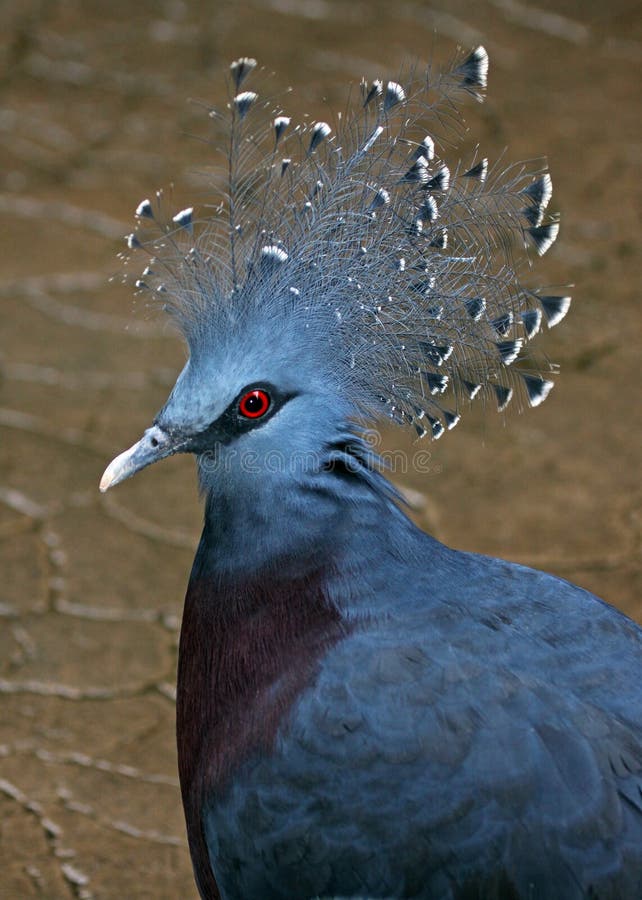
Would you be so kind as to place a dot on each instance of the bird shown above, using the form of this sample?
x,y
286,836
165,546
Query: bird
x,y
363,711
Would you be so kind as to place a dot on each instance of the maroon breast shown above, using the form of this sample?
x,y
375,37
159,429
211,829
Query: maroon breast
x,y
246,652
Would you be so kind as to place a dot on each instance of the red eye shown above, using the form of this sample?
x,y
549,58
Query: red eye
x,y
254,404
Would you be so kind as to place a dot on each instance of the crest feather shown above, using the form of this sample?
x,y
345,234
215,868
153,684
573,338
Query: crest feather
x,y
403,267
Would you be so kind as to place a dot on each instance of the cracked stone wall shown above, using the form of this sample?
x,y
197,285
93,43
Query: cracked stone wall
x,y
94,117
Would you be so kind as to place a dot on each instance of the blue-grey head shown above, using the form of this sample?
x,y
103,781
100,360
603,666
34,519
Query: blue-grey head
x,y
348,275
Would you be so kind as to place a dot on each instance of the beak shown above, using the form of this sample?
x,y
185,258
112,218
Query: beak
x,y
154,445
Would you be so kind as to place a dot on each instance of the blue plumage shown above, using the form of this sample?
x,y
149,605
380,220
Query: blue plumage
x,y
361,711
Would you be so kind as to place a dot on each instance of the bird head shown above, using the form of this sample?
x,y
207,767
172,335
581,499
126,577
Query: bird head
x,y
254,396
344,278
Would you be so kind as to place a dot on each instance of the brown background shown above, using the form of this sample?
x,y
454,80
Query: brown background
x,y
93,117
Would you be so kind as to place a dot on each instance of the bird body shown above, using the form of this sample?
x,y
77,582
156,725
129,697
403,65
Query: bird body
x,y
362,711
452,733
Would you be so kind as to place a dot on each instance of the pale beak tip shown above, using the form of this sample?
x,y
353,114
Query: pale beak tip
x,y
118,469
107,480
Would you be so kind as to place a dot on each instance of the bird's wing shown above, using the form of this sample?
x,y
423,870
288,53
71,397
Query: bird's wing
x,y
456,770
497,740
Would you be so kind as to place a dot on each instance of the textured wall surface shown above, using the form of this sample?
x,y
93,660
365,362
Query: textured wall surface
x,y
94,116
